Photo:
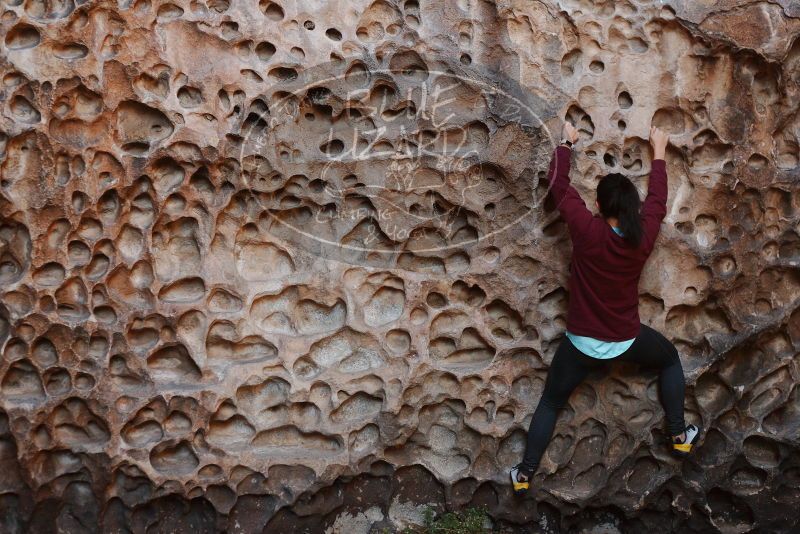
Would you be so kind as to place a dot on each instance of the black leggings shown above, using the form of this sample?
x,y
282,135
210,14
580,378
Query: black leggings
x,y
570,366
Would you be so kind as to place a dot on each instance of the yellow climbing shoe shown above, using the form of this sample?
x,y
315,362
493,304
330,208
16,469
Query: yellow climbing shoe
x,y
520,485
683,448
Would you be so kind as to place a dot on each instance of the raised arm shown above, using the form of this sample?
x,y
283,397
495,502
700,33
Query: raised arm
x,y
654,208
568,201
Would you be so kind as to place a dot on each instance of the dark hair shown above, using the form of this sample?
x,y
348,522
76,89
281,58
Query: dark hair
x,y
619,198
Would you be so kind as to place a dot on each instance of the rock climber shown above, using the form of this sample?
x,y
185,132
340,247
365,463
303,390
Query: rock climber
x,y
609,251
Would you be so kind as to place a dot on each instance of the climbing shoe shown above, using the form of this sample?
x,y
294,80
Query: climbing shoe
x,y
683,448
519,481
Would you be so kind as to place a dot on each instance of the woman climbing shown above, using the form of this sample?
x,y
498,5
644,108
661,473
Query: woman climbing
x,y
608,253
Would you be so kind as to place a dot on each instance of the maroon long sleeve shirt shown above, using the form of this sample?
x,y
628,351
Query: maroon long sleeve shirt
x,y
605,269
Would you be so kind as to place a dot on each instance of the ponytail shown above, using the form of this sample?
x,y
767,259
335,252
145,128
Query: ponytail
x,y
619,198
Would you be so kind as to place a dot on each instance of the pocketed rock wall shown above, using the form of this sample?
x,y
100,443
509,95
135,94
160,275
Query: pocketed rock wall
x,y
288,266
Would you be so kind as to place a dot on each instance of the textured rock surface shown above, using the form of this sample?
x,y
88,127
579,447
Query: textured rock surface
x,y
286,266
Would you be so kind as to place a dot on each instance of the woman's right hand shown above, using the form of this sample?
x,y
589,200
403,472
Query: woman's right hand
x,y
569,132
658,140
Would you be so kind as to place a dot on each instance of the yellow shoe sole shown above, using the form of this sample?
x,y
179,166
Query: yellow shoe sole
x,y
682,449
520,488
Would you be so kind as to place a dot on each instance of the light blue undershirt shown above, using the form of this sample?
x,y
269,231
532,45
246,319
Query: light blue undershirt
x,y
597,348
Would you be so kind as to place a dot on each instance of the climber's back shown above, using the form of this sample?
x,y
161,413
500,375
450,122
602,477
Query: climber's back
x,y
606,266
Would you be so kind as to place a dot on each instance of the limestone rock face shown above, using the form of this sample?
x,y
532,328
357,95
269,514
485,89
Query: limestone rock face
x,y
290,266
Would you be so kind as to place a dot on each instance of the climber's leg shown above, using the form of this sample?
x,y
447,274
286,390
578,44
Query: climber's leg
x,y
568,369
652,349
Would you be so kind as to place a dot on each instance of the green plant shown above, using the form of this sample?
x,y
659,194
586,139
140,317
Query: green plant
x,y
469,521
